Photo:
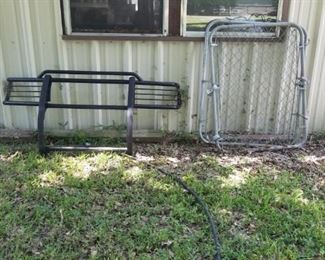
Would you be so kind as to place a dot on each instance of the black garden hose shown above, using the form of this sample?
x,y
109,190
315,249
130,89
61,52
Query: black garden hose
x,y
198,200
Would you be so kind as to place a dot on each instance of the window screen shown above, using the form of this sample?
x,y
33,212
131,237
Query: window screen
x,y
200,12
117,16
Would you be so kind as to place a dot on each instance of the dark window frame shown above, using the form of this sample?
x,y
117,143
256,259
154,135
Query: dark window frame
x,y
76,29
174,26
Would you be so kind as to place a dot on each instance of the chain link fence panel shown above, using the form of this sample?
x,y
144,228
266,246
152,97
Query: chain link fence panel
x,y
253,89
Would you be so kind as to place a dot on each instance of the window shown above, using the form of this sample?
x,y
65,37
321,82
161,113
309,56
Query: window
x,y
200,12
114,17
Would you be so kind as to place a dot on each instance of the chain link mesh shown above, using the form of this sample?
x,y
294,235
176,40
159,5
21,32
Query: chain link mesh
x,y
259,94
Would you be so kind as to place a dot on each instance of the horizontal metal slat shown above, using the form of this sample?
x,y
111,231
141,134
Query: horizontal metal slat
x,y
85,148
86,106
21,96
20,103
25,91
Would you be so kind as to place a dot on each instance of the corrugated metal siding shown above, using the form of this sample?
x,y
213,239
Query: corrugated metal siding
x,y
311,15
30,41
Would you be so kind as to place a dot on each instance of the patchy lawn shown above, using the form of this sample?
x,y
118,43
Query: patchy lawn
x,y
267,204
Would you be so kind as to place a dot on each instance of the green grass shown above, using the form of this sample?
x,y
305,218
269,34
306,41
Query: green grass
x,y
108,206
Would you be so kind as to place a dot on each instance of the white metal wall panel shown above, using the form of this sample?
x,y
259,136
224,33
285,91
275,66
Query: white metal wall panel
x,y
311,15
30,41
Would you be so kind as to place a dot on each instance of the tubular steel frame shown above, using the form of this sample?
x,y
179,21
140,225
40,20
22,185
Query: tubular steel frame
x,y
169,93
210,81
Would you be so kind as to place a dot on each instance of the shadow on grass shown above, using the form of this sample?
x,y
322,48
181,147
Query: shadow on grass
x,y
104,205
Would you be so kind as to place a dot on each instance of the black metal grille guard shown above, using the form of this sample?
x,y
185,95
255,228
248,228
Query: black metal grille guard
x,y
141,95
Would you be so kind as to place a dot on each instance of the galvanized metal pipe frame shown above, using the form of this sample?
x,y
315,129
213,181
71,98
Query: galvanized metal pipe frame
x,y
205,82
134,79
210,42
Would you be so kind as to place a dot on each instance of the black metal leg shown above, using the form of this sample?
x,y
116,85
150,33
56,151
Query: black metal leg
x,y
41,114
131,97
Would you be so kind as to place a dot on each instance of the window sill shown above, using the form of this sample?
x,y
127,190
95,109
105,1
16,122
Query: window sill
x,y
131,38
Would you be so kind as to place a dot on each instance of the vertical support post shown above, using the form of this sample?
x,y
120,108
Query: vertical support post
x,y
131,98
8,90
215,98
45,96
